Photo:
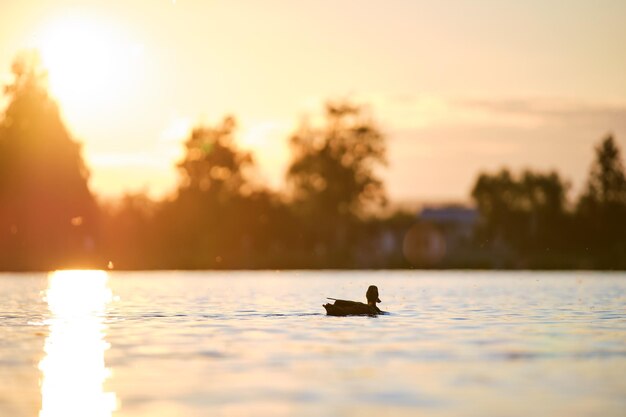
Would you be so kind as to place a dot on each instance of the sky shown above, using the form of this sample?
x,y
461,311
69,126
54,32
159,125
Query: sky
x,y
458,87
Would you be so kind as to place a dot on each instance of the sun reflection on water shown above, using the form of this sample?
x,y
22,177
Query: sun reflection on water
x,y
73,370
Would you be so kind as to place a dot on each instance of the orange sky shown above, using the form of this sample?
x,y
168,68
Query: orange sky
x,y
458,86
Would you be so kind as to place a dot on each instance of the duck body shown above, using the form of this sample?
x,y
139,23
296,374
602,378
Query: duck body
x,y
351,308
355,308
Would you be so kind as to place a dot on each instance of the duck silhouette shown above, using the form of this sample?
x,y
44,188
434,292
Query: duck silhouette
x,y
355,308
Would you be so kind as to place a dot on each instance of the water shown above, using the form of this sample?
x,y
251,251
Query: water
x,y
258,344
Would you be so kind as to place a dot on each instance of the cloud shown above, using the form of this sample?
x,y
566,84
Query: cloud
x,y
415,112
553,110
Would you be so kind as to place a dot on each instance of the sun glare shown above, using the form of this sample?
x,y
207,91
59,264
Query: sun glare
x,y
89,60
73,370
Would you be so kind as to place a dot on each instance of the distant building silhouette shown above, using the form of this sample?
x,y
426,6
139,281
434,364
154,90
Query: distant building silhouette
x,y
457,223
440,235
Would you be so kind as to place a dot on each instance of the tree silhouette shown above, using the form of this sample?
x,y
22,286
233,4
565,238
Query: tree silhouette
x,y
606,184
526,212
212,163
47,213
218,218
332,171
333,180
602,208
129,234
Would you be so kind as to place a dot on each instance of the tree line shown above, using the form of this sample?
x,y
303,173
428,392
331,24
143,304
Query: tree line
x,y
529,216
327,217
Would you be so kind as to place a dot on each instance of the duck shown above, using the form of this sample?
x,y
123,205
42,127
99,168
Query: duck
x,y
355,308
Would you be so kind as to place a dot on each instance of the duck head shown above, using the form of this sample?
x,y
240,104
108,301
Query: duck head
x,y
372,295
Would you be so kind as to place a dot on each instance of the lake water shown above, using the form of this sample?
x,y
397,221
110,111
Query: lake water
x,y
159,344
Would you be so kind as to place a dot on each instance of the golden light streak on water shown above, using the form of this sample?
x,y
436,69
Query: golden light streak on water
x,y
73,369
